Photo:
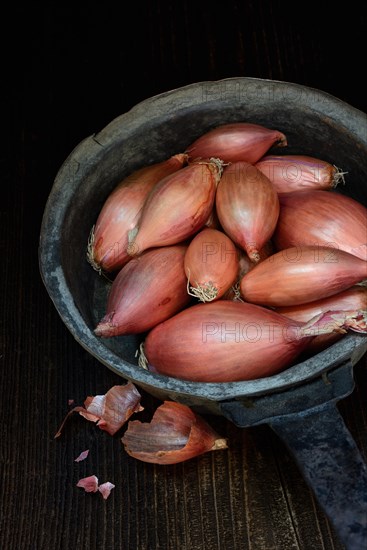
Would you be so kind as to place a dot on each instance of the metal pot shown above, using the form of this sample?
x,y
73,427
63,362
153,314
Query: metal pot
x,y
299,403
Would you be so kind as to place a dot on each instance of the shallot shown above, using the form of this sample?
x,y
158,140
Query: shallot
x,y
248,207
236,141
297,172
226,341
107,247
178,206
175,434
301,274
146,291
322,218
211,264
354,297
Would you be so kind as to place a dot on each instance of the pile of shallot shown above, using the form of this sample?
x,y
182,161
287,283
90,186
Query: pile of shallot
x,y
230,261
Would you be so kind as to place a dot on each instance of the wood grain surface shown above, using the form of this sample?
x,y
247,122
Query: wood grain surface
x,y
68,72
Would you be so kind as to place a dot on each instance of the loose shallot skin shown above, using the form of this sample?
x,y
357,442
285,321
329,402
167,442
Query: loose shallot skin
x,y
290,173
322,218
146,291
247,206
237,141
107,249
223,341
301,274
175,434
177,207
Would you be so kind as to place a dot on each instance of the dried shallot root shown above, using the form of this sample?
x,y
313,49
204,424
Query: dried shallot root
x,y
175,434
237,141
290,173
109,411
108,240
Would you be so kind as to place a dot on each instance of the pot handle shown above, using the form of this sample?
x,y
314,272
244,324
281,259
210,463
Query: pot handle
x,y
332,465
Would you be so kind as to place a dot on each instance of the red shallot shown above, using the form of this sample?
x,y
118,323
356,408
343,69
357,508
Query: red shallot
x,y
354,297
107,248
177,207
211,264
236,141
301,274
226,341
297,172
247,206
322,218
175,434
146,291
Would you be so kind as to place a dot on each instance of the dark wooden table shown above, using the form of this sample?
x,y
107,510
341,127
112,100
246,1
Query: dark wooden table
x,y
75,69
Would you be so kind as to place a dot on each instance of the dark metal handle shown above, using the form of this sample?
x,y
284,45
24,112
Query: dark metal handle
x,y
331,464
306,418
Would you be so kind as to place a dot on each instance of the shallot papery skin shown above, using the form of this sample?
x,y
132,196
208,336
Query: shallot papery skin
x,y
83,455
322,218
301,274
247,206
107,250
105,489
113,409
211,264
236,141
290,173
89,484
175,434
226,341
177,207
145,292
353,298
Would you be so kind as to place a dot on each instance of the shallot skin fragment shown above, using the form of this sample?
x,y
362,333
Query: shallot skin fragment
x,y
105,489
175,434
113,409
89,484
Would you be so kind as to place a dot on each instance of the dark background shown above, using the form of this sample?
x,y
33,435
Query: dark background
x,y
67,72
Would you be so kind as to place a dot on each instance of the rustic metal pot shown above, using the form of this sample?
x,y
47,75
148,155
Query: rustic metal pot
x,y
299,403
